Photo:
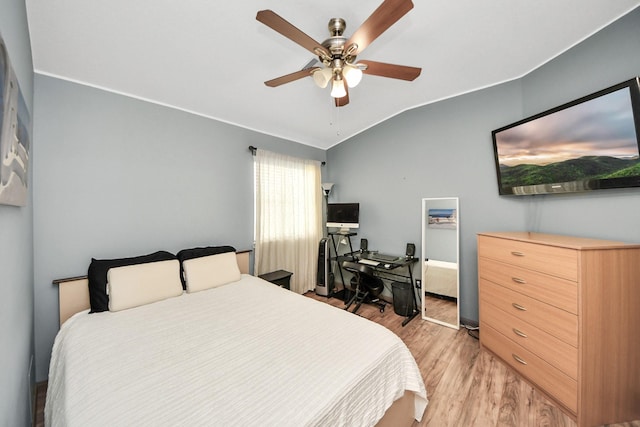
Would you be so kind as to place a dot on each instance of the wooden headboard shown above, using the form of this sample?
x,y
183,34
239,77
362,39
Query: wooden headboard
x,y
73,292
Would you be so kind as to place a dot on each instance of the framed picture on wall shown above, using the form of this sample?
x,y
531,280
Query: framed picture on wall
x,y
442,218
15,122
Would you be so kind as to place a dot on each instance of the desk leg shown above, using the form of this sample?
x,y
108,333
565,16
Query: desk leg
x,y
415,301
409,318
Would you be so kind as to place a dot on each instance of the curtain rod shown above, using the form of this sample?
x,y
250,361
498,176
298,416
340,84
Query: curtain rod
x,y
253,153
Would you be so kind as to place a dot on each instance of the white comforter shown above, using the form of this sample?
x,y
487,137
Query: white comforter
x,y
247,354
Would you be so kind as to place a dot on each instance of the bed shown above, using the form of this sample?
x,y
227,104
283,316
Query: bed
x,y
240,352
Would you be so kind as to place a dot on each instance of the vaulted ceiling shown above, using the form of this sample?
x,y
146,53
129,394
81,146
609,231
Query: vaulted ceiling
x,y
211,58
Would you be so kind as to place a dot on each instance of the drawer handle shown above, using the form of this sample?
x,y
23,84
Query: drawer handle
x,y
518,359
519,333
515,253
518,307
518,280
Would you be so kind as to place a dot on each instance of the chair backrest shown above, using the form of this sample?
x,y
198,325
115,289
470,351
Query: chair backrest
x,y
365,276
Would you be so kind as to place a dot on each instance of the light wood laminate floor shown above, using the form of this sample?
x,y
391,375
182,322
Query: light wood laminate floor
x,y
465,386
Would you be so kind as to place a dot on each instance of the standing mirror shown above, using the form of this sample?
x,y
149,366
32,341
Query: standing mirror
x,y
440,254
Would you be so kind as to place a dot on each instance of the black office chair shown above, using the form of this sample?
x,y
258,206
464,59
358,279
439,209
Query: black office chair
x,y
366,286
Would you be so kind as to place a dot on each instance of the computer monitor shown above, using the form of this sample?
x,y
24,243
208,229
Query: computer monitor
x,y
343,215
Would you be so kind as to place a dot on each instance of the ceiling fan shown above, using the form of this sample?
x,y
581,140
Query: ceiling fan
x,y
338,54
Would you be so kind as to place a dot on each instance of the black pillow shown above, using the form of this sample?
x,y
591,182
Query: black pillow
x,y
98,298
186,254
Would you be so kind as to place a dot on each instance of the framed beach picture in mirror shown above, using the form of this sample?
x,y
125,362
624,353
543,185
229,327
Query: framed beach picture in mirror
x,y
442,218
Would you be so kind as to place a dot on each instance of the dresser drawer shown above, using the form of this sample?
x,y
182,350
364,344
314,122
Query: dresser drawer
x,y
553,381
556,261
553,290
549,348
559,323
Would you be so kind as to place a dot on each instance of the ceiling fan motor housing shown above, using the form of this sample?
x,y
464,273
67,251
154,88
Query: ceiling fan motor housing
x,y
337,26
335,45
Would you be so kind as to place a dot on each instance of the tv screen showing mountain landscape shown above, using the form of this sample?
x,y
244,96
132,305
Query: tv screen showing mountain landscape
x,y
592,140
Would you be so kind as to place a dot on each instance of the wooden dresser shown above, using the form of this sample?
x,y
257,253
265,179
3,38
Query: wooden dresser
x,y
564,312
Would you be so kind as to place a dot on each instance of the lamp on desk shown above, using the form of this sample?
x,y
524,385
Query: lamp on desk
x,y
326,188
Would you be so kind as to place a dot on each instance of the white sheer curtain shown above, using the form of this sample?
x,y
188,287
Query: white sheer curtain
x,y
288,217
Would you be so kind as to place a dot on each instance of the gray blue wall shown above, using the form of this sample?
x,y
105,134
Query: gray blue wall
x,y
445,150
116,177
440,150
16,250
610,57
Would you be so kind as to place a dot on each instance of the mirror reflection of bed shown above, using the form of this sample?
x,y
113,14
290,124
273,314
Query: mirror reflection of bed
x,y
440,272
441,290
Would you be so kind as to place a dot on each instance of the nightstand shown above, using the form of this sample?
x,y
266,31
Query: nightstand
x,y
281,278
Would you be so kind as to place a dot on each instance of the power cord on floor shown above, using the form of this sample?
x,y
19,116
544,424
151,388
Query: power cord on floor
x,y
473,331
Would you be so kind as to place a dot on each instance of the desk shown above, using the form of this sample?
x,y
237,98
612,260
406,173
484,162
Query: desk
x,y
338,257
391,267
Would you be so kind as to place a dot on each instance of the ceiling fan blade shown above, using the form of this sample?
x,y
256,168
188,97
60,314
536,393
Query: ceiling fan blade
x,y
393,71
284,27
387,14
288,78
341,102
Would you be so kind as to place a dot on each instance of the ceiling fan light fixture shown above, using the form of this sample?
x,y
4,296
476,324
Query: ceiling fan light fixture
x,y
337,87
322,77
352,75
338,54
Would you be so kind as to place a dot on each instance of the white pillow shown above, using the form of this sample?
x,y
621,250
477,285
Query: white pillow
x,y
140,284
210,271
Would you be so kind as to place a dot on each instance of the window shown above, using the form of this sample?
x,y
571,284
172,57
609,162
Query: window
x,y
288,217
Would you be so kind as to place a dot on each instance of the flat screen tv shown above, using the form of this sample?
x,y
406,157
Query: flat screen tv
x,y
343,215
587,144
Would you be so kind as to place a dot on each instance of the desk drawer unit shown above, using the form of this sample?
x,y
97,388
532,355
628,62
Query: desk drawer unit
x,y
556,309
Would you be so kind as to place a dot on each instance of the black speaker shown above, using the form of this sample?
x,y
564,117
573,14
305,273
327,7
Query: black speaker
x,y
411,250
324,283
364,245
